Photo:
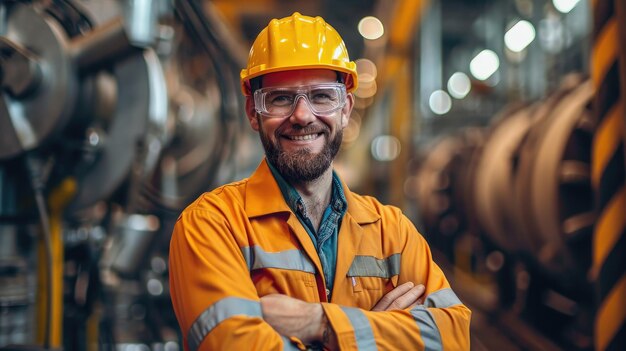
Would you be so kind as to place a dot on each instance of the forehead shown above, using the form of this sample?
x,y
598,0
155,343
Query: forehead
x,y
299,77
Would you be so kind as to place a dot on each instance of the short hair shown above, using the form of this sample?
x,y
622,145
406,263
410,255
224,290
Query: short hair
x,y
256,83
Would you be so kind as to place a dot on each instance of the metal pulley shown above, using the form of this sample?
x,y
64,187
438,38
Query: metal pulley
x,y
132,137
441,185
89,97
44,71
526,186
39,84
554,209
494,175
498,166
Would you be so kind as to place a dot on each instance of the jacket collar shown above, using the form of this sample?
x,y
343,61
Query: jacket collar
x,y
361,212
263,197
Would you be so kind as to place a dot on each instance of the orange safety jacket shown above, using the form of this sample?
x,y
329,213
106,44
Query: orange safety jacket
x,y
241,241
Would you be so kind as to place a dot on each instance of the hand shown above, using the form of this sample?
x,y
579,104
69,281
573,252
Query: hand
x,y
403,296
293,317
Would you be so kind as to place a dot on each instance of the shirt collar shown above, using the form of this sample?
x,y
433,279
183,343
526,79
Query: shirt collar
x,y
294,200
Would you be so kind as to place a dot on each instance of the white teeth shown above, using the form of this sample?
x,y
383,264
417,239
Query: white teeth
x,y
304,137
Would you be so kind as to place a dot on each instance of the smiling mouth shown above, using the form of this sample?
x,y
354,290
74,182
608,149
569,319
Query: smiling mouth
x,y
303,137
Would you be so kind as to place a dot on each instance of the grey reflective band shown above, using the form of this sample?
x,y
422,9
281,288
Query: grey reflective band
x,y
428,328
426,323
294,259
218,312
370,266
442,299
362,328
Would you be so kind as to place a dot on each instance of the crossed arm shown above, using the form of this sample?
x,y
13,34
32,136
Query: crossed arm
x,y
307,321
217,308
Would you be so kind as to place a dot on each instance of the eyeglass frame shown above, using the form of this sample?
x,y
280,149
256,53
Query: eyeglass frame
x,y
301,91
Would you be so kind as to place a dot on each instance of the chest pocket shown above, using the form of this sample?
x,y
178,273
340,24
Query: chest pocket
x,y
287,272
292,259
371,273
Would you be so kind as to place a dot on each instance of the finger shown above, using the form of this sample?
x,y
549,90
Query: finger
x,y
408,299
391,296
421,300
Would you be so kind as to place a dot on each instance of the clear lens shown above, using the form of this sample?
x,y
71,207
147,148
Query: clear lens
x,y
322,99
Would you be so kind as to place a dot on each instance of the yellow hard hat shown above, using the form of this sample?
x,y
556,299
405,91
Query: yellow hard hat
x,y
298,42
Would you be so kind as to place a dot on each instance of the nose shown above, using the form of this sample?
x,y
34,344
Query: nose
x,y
302,113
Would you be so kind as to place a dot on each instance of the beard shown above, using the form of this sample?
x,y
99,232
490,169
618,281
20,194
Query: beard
x,y
301,165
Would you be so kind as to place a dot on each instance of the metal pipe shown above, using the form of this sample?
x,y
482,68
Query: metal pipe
x,y
99,47
141,21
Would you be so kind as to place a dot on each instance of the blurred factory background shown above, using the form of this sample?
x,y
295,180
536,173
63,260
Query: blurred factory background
x,y
497,126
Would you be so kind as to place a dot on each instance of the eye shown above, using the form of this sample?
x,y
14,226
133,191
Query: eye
x,y
280,99
322,96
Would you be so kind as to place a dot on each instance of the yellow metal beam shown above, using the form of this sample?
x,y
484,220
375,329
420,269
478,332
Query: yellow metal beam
x,y
397,75
402,29
58,200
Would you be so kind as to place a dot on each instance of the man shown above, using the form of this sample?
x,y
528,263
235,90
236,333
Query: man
x,y
290,258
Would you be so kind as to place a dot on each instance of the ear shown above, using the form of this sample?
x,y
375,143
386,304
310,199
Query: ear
x,y
347,110
251,113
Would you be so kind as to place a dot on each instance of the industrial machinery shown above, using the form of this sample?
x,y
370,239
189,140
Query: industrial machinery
x,y
114,116
511,207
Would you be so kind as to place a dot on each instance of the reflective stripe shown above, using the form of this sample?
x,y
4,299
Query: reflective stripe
x,y
218,312
428,328
370,266
294,260
362,328
442,299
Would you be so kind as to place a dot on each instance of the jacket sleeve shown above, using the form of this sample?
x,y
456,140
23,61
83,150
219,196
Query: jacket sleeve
x,y
441,323
214,299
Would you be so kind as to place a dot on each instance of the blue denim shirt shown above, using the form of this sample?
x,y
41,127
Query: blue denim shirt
x,y
325,238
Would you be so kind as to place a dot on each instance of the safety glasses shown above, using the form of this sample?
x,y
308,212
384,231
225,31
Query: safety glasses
x,y
280,102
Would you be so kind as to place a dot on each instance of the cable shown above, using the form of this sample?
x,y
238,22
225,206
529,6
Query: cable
x,y
36,175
